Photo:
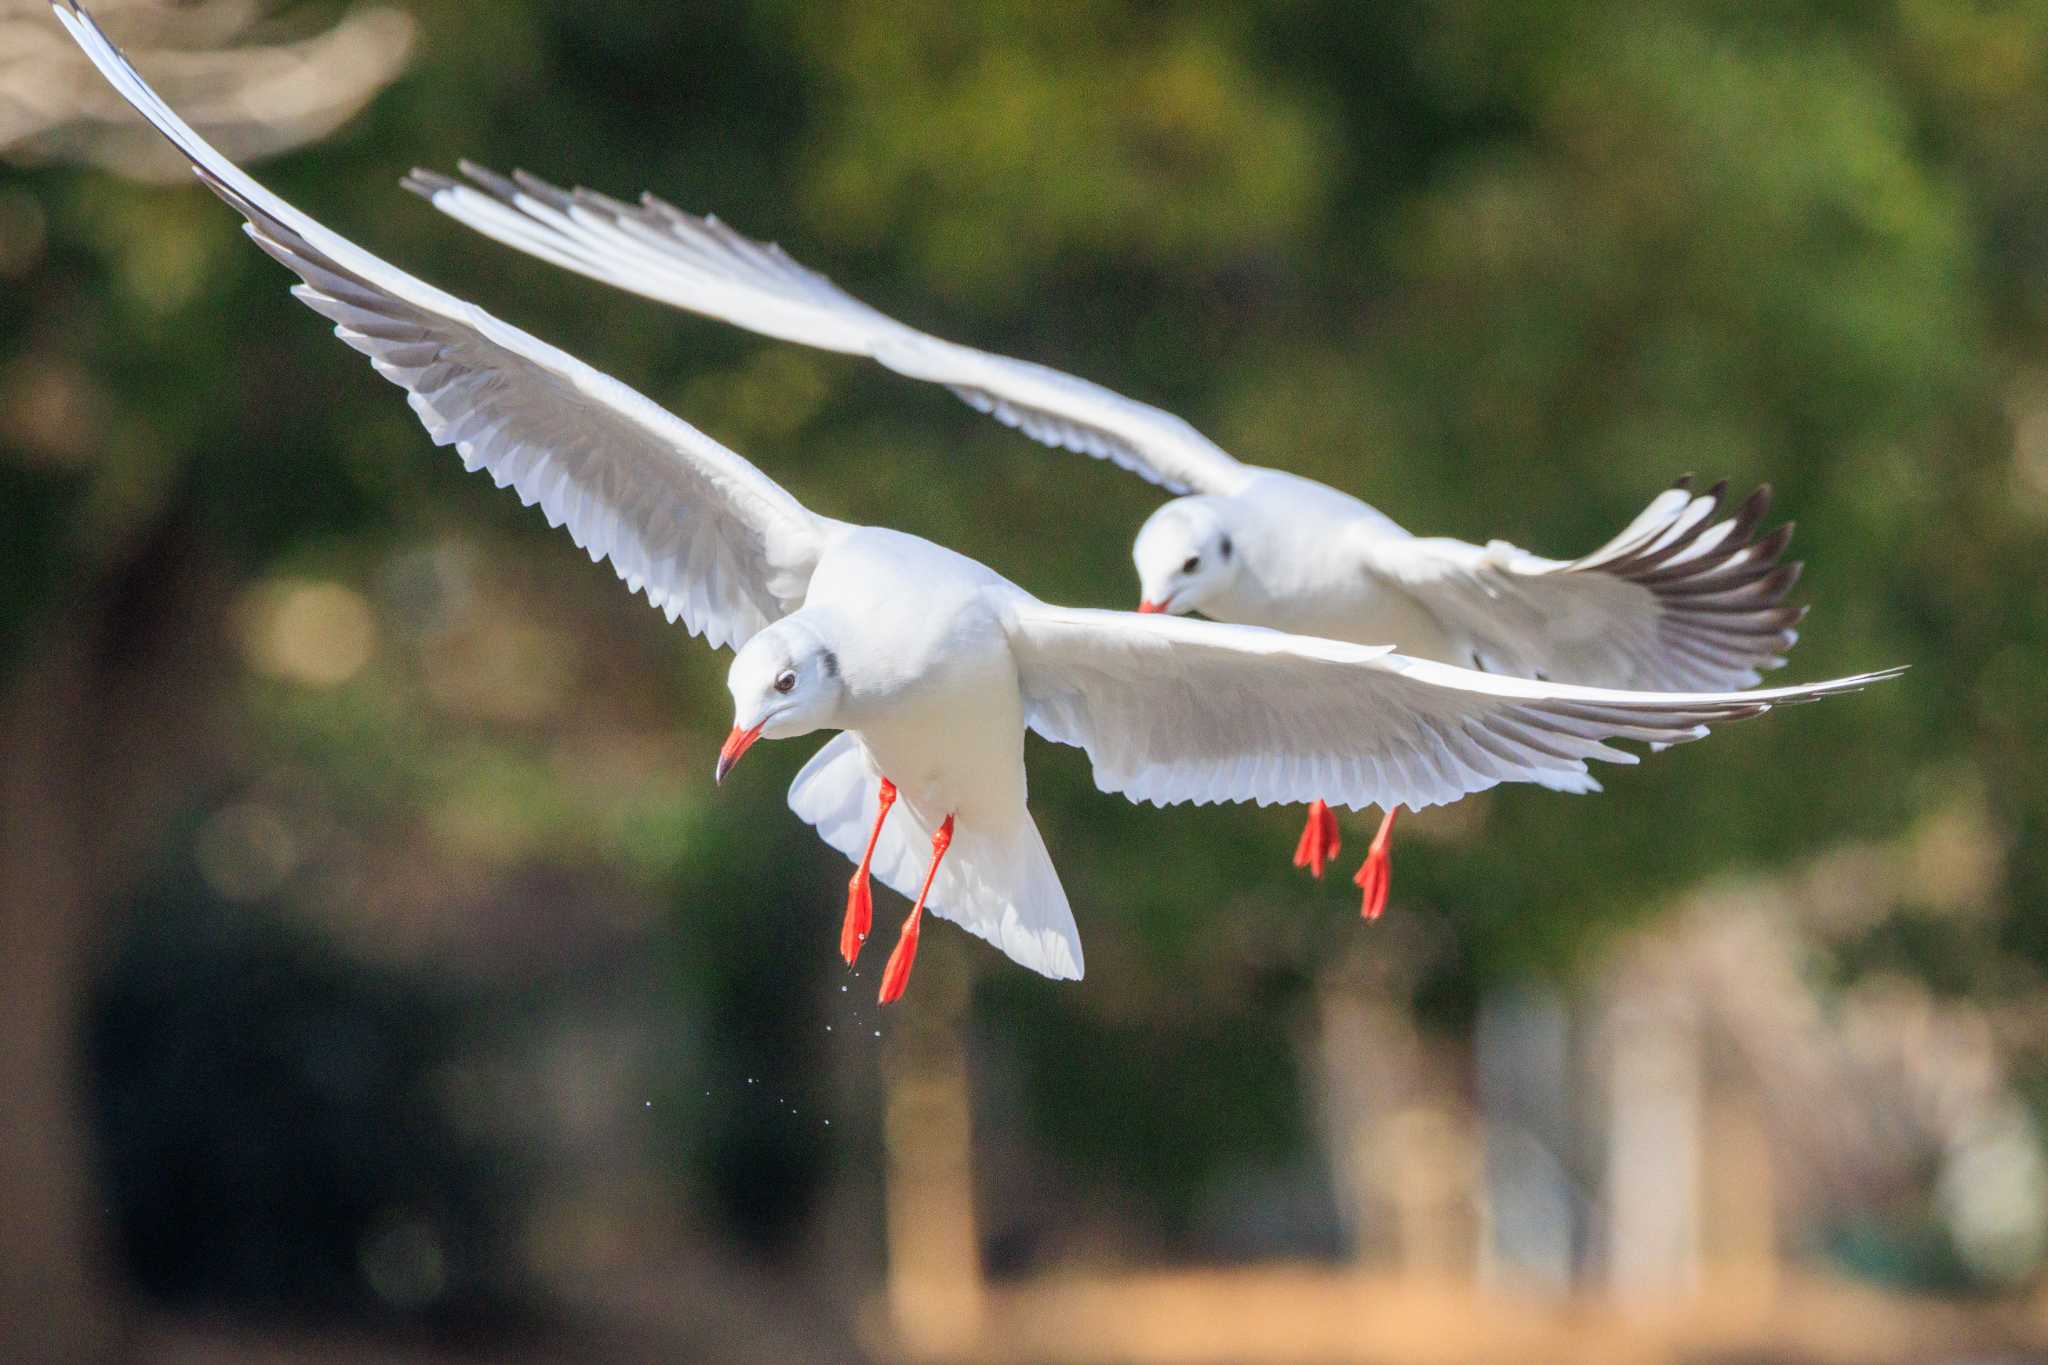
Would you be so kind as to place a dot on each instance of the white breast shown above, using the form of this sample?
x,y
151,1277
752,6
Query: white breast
x,y
931,684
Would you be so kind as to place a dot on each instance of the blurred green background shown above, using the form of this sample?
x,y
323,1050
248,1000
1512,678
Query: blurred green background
x,y
382,975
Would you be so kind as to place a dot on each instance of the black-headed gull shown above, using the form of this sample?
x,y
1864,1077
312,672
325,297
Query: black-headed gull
x,y
1681,599
930,665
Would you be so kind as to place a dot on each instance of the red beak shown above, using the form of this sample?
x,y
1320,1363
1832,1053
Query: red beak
x,y
736,744
1147,608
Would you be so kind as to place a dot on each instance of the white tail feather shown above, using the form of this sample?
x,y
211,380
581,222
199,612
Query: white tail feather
x,y
997,884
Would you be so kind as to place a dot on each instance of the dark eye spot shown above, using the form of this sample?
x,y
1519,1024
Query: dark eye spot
x,y
1194,563
1225,547
785,680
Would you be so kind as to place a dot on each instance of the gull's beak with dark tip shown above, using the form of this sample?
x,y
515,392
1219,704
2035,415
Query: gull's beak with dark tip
x,y
1148,607
736,744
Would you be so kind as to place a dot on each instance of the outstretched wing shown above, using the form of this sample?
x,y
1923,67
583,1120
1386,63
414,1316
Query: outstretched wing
x,y
1172,709
710,539
1677,601
658,251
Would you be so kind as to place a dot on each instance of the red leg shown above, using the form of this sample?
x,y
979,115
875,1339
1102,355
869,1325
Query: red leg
x,y
1319,842
860,901
1375,872
896,975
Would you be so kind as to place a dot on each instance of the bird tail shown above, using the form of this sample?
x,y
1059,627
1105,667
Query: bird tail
x,y
998,884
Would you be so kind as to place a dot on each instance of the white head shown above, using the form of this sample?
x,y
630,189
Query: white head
x,y
1184,556
784,683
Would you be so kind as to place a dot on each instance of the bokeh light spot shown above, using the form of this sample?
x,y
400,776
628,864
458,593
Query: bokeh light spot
x,y
319,634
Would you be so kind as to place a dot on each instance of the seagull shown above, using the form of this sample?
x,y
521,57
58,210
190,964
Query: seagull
x,y
929,666
1682,599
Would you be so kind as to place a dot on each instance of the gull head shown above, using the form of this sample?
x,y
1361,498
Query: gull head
x,y
784,683
1184,556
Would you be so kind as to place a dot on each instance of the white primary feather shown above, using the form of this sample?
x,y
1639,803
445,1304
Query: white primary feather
x,y
709,538
659,252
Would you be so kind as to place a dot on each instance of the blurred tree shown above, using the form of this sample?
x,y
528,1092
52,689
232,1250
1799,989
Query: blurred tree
x,y
251,100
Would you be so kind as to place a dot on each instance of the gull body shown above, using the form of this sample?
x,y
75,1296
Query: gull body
x,y
932,691
929,666
912,644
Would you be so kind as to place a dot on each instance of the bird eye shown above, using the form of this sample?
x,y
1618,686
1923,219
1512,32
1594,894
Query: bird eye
x,y
785,681
1194,563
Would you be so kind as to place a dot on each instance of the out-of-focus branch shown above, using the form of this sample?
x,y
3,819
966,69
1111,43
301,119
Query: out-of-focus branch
x,y
252,98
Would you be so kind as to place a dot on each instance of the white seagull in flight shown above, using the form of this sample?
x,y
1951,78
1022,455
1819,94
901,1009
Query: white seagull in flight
x,y
1680,600
930,665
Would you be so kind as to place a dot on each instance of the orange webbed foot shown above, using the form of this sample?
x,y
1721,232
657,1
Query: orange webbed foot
x,y
1319,841
860,917
896,975
1375,874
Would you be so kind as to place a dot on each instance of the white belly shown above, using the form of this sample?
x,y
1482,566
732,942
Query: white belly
x,y
933,697
955,746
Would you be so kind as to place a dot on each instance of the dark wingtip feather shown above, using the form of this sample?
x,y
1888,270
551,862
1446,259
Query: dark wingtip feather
x,y
488,180
541,189
1721,605
425,183
598,199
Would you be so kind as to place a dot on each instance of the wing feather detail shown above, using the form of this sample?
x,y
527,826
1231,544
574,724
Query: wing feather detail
x,y
1173,709
711,540
1685,598
702,265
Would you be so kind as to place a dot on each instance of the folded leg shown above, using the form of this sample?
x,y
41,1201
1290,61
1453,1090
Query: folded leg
x,y
860,899
896,975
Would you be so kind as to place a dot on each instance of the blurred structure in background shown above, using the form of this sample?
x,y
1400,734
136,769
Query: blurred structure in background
x,y
238,75
231,70
382,980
